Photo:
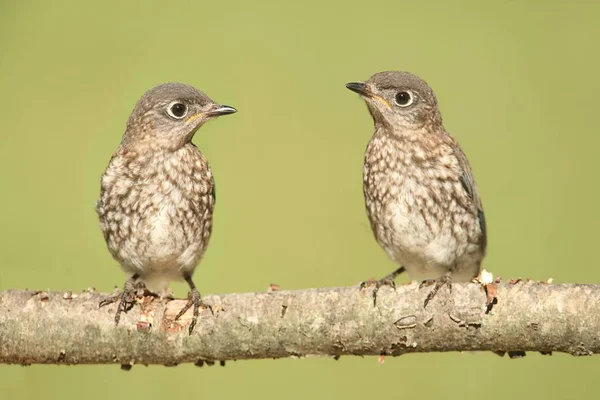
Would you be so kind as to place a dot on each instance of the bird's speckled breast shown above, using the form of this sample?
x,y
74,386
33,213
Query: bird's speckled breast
x,y
156,209
418,211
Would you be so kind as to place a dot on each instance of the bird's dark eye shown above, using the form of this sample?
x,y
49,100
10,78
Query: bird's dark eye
x,y
177,110
404,98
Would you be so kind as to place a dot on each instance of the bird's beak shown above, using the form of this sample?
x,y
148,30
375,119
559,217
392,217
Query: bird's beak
x,y
359,88
214,111
218,110
362,89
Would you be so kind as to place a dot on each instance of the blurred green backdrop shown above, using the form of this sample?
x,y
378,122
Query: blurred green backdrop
x,y
518,85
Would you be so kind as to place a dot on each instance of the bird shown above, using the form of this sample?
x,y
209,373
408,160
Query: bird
x,y
157,195
421,197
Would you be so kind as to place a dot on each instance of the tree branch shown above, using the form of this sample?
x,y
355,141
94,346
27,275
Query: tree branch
x,y
57,328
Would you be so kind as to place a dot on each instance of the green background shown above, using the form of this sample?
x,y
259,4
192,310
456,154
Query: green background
x,y
518,86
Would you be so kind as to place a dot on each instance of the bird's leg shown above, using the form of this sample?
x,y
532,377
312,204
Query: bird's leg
x,y
126,298
195,300
387,280
438,283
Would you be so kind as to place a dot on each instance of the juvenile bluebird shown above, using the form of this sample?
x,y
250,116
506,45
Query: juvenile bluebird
x,y
157,194
420,194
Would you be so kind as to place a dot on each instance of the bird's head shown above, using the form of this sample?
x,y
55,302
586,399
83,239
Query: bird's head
x,y
399,101
167,116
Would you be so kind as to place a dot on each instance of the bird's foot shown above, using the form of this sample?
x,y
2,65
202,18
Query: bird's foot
x,y
437,284
126,298
387,280
195,300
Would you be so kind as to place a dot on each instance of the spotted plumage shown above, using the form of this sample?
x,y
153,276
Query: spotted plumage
x,y
158,193
421,198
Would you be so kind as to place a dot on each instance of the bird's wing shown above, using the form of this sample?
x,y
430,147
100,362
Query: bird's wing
x,y
214,190
468,183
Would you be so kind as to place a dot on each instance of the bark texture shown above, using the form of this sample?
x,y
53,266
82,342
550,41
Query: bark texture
x,y
63,328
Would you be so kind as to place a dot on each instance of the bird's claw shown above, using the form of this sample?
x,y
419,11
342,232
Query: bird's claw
x,y
387,281
366,283
382,282
438,283
126,298
195,300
